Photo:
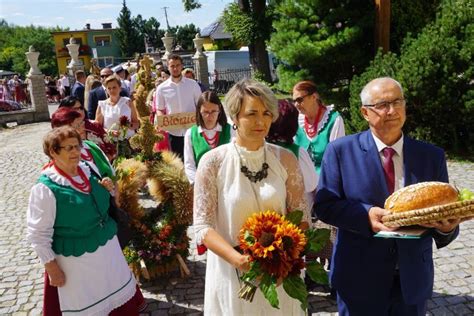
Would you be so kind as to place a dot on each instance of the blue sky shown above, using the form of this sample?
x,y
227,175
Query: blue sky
x,y
76,13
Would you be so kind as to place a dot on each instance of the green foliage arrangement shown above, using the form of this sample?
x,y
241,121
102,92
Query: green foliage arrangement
x,y
15,41
436,70
324,41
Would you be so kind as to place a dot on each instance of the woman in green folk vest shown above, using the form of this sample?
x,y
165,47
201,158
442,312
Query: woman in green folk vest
x,y
211,130
319,124
69,228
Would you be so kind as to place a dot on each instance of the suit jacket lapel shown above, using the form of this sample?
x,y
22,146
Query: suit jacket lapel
x,y
374,171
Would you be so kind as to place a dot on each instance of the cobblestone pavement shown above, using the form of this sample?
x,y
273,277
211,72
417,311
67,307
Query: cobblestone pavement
x,y
21,278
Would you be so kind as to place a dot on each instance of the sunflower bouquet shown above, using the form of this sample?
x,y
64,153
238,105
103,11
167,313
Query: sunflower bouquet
x,y
276,247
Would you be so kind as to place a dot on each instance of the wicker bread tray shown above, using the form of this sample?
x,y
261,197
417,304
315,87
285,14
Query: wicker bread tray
x,y
425,215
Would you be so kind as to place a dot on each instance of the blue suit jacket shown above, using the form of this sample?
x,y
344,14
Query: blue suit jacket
x,y
78,91
351,182
96,95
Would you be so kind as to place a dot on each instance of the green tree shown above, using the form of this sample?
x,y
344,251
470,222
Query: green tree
x,y
15,41
184,35
323,41
436,70
130,38
249,21
151,30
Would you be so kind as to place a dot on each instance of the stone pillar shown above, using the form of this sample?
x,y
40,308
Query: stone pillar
x,y
37,87
200,62
75,63
168,42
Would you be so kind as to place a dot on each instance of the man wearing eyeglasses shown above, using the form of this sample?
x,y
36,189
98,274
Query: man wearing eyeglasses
x,y
99,93
376,276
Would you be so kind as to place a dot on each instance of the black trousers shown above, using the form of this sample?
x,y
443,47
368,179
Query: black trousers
x,y
177,145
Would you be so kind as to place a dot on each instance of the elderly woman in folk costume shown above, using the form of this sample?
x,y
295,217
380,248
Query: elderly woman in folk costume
x,y
69,228
211,130
319,124
232,182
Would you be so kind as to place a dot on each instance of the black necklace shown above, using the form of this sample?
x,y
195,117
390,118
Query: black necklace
x,y
254,176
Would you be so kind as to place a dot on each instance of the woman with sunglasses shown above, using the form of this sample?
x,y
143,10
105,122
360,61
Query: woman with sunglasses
x,y
94,132
74,237
318,123
211,130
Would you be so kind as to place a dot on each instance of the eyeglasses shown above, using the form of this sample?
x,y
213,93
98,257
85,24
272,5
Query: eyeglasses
x,y
207,114
105,76
385,105
300,99
69,148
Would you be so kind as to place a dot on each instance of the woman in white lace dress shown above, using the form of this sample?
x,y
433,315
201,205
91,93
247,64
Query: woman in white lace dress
x,y
234,181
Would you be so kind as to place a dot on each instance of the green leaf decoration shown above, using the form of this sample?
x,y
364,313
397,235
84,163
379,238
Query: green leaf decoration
x,y
294,217
294,286
317,239
252,273
316,272
268,288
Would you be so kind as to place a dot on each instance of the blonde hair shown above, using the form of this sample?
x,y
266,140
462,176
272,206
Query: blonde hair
x,y
247,87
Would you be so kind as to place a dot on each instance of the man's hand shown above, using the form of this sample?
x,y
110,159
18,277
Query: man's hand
x,y
444,226
56,275
375,219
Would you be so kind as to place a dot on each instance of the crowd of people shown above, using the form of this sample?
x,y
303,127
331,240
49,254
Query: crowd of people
x,y
249,153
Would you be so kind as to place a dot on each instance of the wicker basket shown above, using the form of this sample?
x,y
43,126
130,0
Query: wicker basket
x,y
430,214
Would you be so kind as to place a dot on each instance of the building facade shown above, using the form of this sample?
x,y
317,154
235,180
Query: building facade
x,y
101,44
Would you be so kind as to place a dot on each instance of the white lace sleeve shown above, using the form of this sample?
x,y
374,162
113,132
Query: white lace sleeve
x,y
295,198
205,194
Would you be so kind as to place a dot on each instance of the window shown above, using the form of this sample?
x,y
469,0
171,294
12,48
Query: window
x,y
105,61
102,40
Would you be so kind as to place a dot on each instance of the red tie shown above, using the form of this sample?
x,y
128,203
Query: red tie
x,y
388,168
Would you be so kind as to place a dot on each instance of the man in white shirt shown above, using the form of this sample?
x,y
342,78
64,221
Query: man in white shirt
x,y
177,95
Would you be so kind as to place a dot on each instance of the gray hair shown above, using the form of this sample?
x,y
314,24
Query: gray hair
x,y
365,94
247,87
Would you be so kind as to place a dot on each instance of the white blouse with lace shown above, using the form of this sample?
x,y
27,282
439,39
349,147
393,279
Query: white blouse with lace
x,y
224,198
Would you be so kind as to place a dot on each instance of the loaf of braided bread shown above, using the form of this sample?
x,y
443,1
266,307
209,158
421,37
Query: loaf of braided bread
x,y
421,195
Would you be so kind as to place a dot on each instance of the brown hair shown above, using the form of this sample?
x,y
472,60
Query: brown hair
x,y
52,140
80,74
307,86
286,126
175,57
211,97
111,78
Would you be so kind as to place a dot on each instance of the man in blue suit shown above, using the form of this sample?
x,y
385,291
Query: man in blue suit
x,y
78,87
99,94
376,276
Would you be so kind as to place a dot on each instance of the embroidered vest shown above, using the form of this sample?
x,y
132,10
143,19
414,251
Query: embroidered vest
x,y
82,223
200,146
317,145
100,160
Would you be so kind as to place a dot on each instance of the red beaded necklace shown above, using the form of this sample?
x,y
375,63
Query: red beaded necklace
x,y
86,154
312,129
85,186
213,141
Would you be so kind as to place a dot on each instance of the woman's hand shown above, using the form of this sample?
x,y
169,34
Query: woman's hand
x,y
56,275
108,184
242,262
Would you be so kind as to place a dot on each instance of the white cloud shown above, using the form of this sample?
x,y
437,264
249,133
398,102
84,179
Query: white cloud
x,y
59,18
100,6
18,14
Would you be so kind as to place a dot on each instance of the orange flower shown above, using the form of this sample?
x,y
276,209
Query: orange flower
x,y
273,241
